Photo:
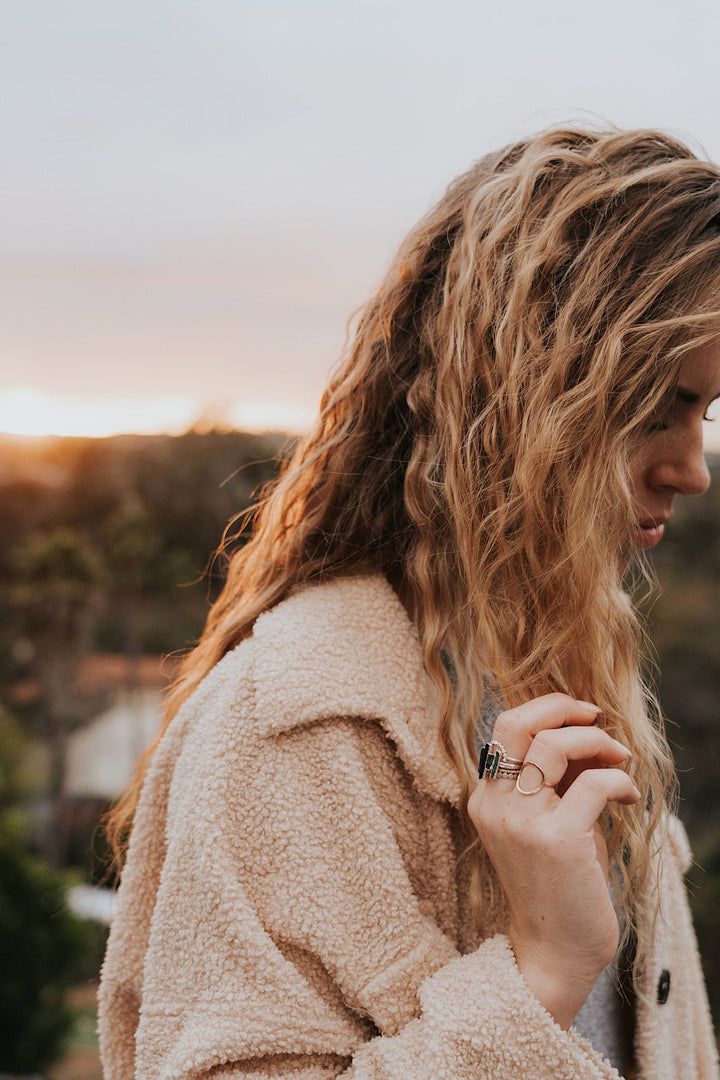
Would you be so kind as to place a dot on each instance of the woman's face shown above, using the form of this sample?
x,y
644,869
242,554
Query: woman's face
x,y
671,460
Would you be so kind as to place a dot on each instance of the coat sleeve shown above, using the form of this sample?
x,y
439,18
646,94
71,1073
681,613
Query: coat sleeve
x,y
291,937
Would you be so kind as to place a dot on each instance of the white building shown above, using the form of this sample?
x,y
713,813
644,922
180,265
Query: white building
x,y
102,754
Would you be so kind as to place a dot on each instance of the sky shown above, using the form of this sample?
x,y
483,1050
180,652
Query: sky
x,y
195,197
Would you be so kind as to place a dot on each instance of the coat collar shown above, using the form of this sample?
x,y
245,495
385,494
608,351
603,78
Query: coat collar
x,y
346,647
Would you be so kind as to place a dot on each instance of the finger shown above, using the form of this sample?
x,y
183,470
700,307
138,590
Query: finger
x,y
552,750
588,795
573,771
516,728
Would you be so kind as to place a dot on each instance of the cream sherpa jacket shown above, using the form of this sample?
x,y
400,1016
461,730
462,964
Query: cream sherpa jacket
x,y
290,905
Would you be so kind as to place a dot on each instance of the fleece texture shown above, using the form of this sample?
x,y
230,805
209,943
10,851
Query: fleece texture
x,y
293,905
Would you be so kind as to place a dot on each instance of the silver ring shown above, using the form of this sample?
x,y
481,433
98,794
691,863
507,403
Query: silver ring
x,y
495,764
543,783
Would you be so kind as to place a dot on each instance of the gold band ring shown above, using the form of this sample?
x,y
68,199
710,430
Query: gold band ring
x,y
533,791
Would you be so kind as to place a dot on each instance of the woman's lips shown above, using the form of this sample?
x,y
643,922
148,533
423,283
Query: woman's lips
x,y
649,533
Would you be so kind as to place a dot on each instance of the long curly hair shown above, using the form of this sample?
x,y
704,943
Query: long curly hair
x,y
475,445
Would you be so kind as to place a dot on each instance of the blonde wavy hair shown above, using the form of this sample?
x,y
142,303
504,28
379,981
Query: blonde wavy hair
x,y
475,443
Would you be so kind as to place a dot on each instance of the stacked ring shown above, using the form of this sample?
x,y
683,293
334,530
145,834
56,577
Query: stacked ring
x,y
494,763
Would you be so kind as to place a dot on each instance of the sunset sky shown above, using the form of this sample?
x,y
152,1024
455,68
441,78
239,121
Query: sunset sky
x,y
196,196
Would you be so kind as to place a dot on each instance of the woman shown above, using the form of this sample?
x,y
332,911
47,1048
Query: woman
x,y
317,883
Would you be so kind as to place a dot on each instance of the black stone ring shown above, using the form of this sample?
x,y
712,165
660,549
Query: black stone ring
x,y
494,763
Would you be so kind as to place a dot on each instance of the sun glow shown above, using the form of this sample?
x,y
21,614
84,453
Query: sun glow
x,y
27,411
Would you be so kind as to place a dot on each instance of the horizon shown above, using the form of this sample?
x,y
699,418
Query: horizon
x,y
29,413
93,419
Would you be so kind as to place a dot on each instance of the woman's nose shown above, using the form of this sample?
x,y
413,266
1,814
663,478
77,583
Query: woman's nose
x,y
683,468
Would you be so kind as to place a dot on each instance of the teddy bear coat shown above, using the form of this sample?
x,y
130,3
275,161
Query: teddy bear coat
x,y
293,904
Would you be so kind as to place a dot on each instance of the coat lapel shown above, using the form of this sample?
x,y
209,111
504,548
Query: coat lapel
x,y
364,661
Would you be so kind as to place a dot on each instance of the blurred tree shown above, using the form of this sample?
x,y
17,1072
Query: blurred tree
x,y
132,550
43,951
43,948
57,592
18,777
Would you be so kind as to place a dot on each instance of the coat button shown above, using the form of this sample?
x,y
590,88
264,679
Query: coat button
x,y
663,986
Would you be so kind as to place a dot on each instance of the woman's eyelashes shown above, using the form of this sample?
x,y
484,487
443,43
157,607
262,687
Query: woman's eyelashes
x,y
665,425
667,416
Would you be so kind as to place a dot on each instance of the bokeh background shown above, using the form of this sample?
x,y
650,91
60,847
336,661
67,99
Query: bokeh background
x,y
194,198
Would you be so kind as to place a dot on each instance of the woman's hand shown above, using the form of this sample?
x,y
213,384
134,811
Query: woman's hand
x,y
548,850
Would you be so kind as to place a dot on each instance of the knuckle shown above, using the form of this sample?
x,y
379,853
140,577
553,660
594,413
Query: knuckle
x,y
506,722
593,780
475,801
489,819
479,810
545,739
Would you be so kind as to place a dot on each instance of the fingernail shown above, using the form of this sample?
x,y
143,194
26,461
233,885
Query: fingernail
x,y
589,705
621,746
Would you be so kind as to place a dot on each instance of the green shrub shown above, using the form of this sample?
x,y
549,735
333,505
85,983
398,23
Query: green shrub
x,y
43,950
